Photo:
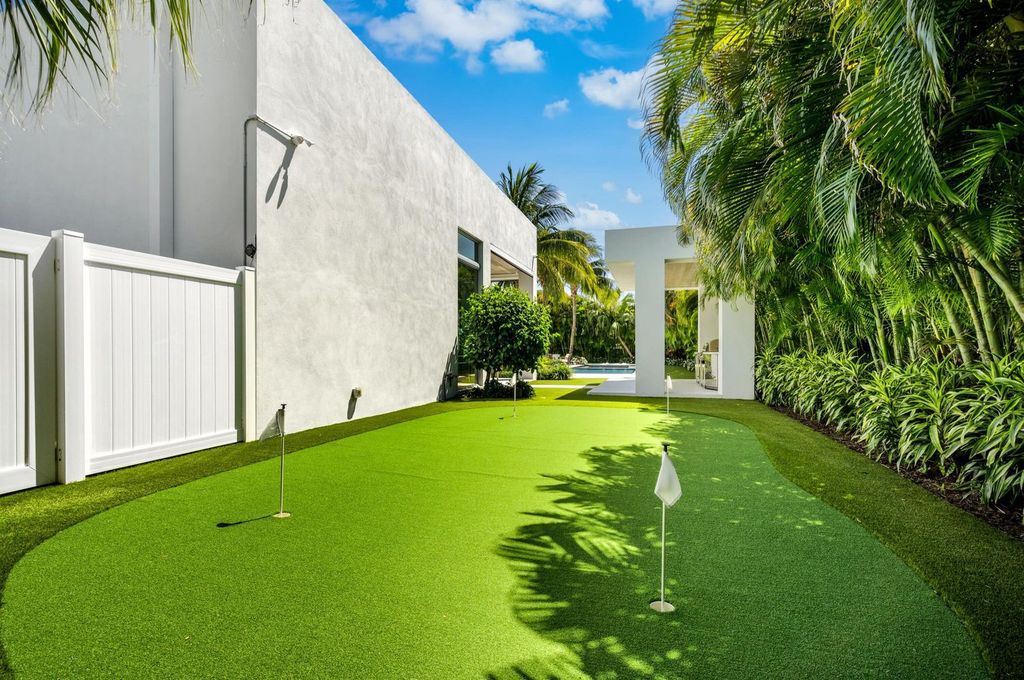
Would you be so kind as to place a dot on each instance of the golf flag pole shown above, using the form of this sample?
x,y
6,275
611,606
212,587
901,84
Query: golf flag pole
x,y
668,392
276,429
281,514
669,491
515,382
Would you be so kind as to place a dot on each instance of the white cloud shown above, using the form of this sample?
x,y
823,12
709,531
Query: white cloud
x,y
591,216
614,88
609,187
633,197
518,55
426,27
556,109
635,123
428,24
655,8
596,50
474,65
580,9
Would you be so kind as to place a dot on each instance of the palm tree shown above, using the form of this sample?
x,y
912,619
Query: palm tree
x,y
565,256
47,37
859,166
594,287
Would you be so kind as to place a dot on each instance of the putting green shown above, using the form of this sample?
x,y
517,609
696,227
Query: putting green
x,y
471,544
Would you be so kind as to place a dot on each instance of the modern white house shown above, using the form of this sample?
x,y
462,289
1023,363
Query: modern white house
x,y
284,226
650,261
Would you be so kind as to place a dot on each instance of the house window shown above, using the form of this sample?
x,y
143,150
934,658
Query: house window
x,y
469,248
468,283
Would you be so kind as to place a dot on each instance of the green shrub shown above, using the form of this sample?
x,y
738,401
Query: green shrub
x,y
503,329
495,389
551,369
989,430
688,362
935,417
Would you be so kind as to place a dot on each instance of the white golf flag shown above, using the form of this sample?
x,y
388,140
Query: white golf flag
x,y
668,384
275,428
667,488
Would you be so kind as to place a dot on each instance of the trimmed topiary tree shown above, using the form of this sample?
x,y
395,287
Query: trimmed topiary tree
x,y
503,329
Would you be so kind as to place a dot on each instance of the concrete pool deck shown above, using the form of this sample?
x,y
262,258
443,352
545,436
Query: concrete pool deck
x,y
625,385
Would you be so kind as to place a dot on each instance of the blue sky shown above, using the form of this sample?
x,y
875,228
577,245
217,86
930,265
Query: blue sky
x,y
553,81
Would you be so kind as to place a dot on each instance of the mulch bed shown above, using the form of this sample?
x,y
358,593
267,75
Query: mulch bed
x,y
943,487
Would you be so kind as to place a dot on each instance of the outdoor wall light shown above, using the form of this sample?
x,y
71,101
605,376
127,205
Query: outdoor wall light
x,y
357,392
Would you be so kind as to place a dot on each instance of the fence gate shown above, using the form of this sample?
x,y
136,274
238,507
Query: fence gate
x,y
27,361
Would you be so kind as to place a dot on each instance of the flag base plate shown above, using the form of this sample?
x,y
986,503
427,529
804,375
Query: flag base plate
x,y
662,606
282,515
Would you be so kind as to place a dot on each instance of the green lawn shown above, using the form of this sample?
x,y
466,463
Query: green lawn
x,y
472,544
679,373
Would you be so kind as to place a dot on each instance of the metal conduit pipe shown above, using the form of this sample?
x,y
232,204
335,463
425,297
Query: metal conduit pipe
x,y
249,249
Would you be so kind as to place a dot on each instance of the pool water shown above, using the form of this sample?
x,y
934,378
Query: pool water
x,y
604,369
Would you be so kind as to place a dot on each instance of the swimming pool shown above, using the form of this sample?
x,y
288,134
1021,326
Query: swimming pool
x,y
604,369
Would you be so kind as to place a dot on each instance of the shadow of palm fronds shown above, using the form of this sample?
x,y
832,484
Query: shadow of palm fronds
x,y
587,570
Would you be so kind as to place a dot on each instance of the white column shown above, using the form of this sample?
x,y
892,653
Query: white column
x,y
528,284
736,341
70,269
246,374
650,327
485,264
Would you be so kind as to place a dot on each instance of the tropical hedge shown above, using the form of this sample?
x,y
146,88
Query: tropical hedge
x,y
933,416
857,166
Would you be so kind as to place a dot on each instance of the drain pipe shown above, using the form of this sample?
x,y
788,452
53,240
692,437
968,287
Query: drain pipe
x,y
249,249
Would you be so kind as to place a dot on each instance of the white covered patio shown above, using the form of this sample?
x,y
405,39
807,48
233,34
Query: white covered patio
x,y
648,262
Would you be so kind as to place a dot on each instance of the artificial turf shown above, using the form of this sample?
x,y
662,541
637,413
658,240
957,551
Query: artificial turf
x,y
472,544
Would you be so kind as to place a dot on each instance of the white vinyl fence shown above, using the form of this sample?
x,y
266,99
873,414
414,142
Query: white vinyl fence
x,y
153,357
160,338
27,380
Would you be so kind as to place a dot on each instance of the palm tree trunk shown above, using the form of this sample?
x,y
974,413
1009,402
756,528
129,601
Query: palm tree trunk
x,y
625,348
572,329
911,337
947,308
972,310
871,350
969,299
954,325
883,348
897,335
995,344
995,272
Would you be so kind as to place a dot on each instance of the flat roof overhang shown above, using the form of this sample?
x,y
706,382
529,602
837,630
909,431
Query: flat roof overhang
x,y
624,248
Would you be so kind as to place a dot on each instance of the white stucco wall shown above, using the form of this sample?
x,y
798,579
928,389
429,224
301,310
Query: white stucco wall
x,y
356,262
737,338
92,161
209,110
150,161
